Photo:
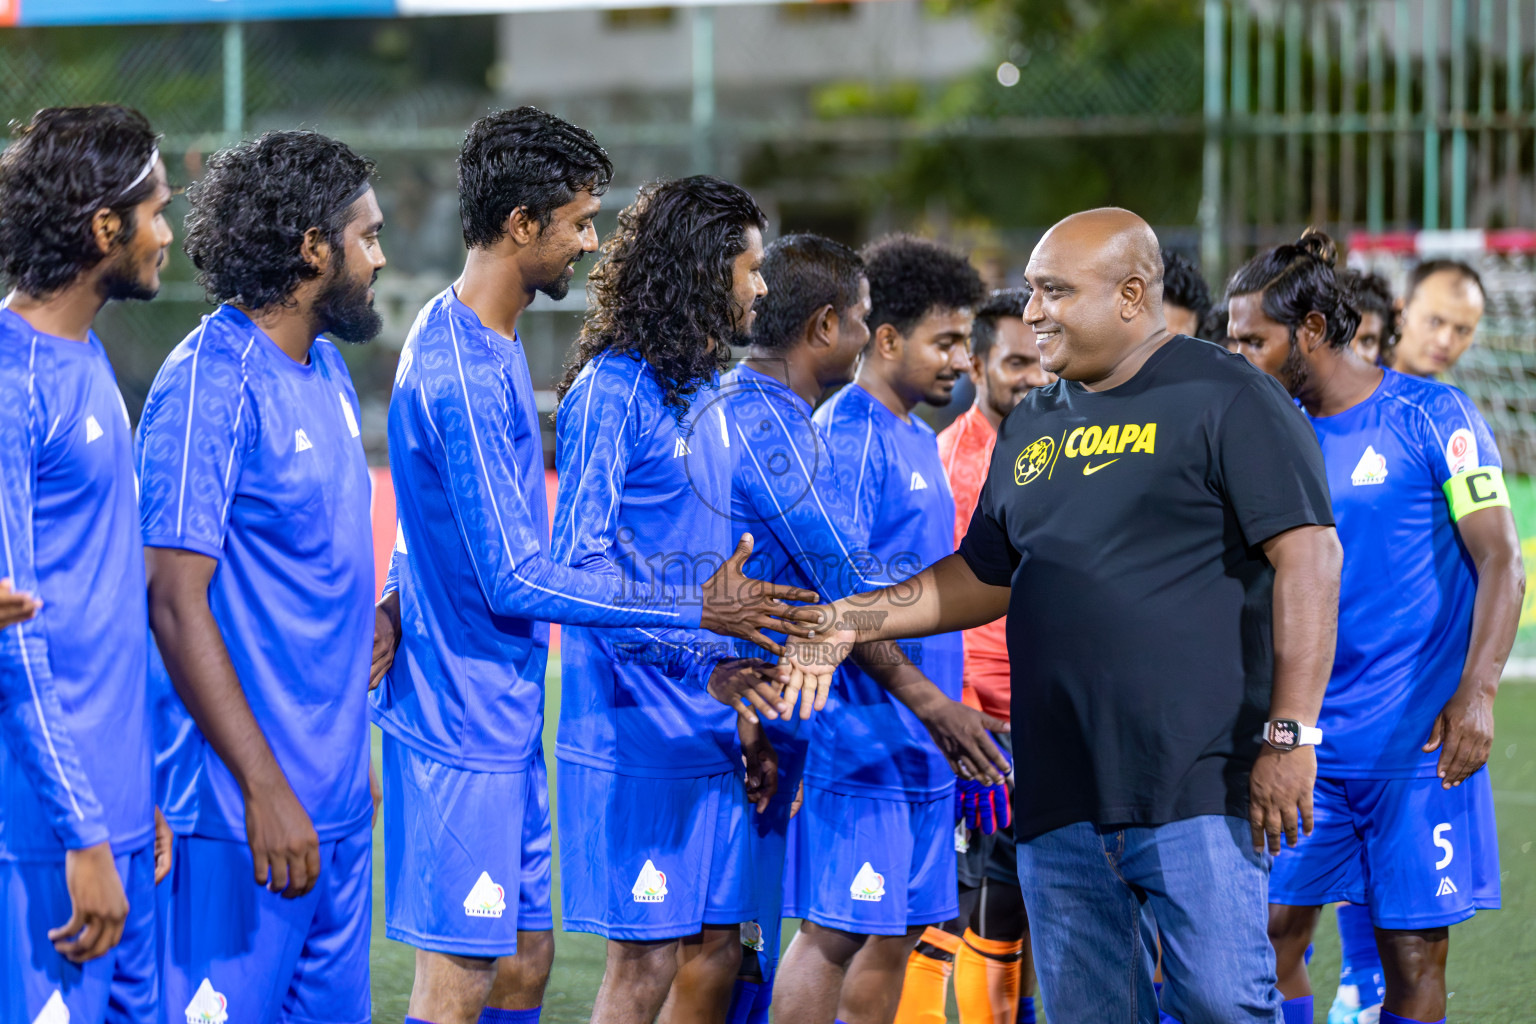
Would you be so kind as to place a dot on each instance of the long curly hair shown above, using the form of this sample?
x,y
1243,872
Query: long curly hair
x,y
64,165
250,212
661,288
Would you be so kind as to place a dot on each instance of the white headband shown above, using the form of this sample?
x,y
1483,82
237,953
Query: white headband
x,y
154,158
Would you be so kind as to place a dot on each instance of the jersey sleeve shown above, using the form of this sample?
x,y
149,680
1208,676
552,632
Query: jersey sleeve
x,y
493,513
198,427
31,716
1462,454
786,485
986,547
596,433
1268,464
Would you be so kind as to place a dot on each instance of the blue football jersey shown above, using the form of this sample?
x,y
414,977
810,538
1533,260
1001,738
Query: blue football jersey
x,y
1405,600
252,459
75,769
476,598
866,743
645,495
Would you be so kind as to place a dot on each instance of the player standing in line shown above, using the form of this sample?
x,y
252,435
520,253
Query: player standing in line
x,y
874,856
82,222
462,710
987,945
806,341
255,504
1186,296
1441,310
1376,337
1403,809
653,817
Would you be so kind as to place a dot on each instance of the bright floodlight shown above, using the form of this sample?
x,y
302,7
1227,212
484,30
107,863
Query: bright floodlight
x,y
1008,74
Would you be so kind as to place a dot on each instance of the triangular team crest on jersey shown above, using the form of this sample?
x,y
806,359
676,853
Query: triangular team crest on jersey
x,y
868,884
53,1012
1371,469
301,441
651,885
207,1006
918,483
681,448
1447,887
486,898
92,429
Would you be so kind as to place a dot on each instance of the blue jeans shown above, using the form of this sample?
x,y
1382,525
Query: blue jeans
x,y
1085,888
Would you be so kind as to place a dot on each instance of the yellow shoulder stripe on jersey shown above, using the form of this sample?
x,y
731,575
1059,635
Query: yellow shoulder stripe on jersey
x,y
1474,489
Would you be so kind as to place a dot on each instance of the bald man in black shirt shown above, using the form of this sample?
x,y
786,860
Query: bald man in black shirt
x,y
1157,524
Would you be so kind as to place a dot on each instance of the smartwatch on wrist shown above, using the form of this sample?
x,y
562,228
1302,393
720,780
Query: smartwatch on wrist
x,y
1288,734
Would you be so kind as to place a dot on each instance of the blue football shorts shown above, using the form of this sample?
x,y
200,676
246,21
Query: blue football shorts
x,y
646,859
873,865
1417,854
118,988
457,845
235,951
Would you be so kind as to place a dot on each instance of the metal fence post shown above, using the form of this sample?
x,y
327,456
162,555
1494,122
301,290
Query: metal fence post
x,y
234,80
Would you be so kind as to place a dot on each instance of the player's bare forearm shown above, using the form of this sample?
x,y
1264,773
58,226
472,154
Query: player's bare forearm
x,y
284,846
1307,563
193,649
1463,731
962,733
942,598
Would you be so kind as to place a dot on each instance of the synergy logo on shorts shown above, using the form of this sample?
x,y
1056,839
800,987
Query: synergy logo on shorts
x,y
53,1012
486,898
868,884
651,886
207,1006
752,935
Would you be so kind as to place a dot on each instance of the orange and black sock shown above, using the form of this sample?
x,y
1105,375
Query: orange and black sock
x,y
987,980
928,969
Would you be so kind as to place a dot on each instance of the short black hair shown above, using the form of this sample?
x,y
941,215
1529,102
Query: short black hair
x,y
1428,268
1001,303
250,212
524,158
803,273
1298,279
909,277
1183,286
1370,293
62,167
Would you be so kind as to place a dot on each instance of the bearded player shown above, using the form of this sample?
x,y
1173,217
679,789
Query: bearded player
x,y
1403,810
255,505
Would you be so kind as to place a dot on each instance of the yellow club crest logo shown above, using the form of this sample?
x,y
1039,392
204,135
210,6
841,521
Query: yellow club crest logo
x,y
1033,461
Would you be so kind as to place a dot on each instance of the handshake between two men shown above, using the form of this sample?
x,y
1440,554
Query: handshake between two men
x,y
819,637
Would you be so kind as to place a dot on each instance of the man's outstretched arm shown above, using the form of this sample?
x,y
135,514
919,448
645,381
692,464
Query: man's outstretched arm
x,y
944,597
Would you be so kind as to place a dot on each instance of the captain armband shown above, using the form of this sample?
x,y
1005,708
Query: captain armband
x,y
1474,489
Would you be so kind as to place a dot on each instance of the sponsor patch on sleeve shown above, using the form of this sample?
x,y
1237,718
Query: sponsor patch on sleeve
x,y
1474,489
1461,451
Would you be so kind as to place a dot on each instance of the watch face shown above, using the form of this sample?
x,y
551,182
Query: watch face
x,y
1283,733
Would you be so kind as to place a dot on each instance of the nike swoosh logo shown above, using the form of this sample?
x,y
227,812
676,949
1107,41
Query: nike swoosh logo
x,y
1090,470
